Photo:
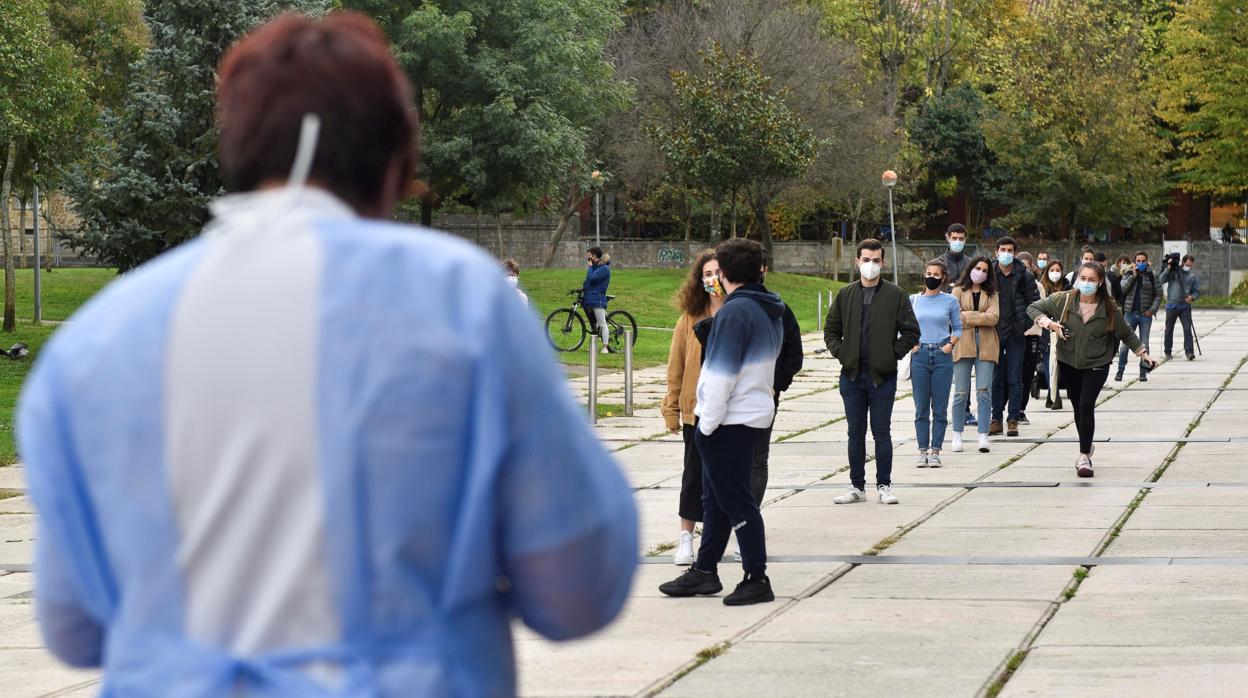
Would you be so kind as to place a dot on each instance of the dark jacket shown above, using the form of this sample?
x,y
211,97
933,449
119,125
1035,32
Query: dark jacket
x,y
956,264
790,359
597,279
1150,291
1178,284
894,329
1024,294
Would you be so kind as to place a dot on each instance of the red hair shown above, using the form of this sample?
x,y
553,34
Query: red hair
x,y
339,68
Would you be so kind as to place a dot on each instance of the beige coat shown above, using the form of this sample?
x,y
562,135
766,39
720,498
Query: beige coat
x,y
1035,330
979,327
684,365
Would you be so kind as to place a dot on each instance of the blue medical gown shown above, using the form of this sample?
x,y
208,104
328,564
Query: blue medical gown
x,y
463,485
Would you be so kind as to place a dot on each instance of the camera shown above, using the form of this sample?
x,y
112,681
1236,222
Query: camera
x,y
1173,259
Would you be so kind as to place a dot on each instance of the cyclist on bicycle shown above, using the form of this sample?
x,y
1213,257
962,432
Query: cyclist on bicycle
x,y
597,278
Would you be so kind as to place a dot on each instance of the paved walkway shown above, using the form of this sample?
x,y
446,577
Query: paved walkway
x,y
1000,565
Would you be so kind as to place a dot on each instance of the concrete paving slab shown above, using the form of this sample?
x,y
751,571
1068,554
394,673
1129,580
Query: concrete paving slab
x,y
952,582
34,673
1147,672
926,540
1151,515
1149,543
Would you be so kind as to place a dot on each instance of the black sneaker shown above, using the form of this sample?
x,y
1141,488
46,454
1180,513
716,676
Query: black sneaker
x,y
1022,419
693,582
1118,376
1143,377
1168,357
751,590
1191,357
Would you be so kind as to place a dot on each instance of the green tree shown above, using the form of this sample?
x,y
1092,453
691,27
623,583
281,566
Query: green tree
x,y
144,185
510,94
730,133
1203,94
43,106
1074,121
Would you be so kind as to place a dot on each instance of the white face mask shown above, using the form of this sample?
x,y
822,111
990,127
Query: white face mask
x,y
1187,269
869,270
1055,275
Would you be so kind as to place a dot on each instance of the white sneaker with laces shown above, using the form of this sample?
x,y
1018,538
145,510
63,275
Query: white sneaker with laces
x,y
684,549
852,496
957,442
933,459
921,461
886,495
983,443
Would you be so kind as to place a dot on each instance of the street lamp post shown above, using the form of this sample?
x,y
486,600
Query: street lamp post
x,y
889,180
597,177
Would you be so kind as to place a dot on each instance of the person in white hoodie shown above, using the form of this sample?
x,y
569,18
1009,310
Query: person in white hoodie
x,y
736,403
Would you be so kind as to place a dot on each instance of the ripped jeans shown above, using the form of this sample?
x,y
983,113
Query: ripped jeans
x,y
962,390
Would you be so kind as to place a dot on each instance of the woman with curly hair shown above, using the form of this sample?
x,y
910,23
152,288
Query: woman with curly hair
x,y
700,297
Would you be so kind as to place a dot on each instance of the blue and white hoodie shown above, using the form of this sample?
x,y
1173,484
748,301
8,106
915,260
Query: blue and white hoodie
x,y
737,380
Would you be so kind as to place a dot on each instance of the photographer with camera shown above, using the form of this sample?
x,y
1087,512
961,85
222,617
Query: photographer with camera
x,y
1089,324
1142,298
1182,289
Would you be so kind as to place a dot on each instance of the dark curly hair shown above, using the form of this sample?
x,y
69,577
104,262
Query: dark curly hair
x,y
990,284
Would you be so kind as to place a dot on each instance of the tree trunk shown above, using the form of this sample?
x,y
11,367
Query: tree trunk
x,y
570,205
763,223
733,209
688,219
717,209
10,281
426,212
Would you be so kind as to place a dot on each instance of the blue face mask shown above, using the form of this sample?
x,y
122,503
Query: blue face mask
x,y
1005,259
956,246
1087,288
1042,263
1141,266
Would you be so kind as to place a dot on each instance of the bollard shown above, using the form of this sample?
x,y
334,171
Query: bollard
x,y
593,379
628,371
819,313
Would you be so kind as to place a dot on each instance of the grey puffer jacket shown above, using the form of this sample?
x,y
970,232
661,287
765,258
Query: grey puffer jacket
x,y
1150,291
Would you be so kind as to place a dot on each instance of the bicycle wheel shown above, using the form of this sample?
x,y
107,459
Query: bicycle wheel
x,y
565,329
617,320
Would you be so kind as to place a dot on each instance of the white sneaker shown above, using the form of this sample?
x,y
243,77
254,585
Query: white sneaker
x,y
853,496
921,461
957,442
886,494
983,443
605,350
933,459
684,549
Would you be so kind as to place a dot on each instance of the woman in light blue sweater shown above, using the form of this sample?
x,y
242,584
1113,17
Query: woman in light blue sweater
x,y
931,363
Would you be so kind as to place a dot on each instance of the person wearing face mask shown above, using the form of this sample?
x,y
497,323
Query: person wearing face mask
x,y
699,298
788,364
1031,351
1017,290
1114,275
1086,254
979,306
931,362
870,327
954,258
511,268
597,279
1042,263
1053,280
1089,325
1182,289
1143,297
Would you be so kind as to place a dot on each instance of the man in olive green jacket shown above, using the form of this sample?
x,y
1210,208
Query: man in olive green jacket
x,y
870,327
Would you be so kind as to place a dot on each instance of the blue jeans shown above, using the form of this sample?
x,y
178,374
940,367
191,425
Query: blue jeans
x,y
931,372
1183,313
862,396
1009,373
1141,325
962,391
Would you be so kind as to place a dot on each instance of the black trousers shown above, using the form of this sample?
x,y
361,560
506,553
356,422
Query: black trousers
x,y
1084,385
727,501
691,478
762,453
1031,359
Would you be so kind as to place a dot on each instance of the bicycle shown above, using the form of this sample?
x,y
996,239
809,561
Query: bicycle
x,y
566,327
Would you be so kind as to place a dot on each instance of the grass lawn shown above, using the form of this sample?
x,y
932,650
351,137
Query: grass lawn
x,y
647,294
1239,297
63,291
